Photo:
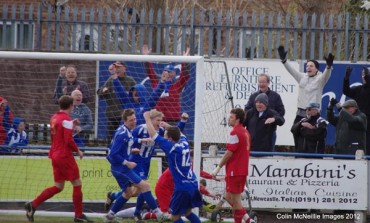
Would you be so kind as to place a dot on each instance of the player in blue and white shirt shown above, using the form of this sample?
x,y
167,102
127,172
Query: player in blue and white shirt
x,y
186,194
147,147
122,168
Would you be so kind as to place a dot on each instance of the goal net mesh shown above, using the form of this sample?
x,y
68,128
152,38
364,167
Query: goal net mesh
x,y
28,85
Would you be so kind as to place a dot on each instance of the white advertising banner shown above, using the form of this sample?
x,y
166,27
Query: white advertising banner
x,y
302,183
243,77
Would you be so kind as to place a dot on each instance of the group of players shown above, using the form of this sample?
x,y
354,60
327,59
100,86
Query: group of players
x,y
129,155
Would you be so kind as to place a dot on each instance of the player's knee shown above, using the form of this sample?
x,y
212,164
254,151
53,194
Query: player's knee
x,y
144,186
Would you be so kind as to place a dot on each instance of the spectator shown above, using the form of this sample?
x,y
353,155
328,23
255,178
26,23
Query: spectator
x,y
237,152
138,97
261,122
113,110
64,164
67,82
274,99
311,131
310,84
16,135
83,113
6,119
170,105
350,127
361,94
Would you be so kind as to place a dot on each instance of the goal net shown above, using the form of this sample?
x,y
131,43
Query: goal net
x,y
28,85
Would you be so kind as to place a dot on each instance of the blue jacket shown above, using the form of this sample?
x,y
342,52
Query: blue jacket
x,y
146,101
15,138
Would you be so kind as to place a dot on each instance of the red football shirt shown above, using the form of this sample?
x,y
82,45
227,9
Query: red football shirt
x,y
239,143
61,130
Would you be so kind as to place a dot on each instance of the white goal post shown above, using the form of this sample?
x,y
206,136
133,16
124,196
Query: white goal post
x,y
199,71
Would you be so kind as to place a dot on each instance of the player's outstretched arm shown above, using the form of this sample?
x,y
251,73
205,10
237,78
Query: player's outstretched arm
x,y
149,124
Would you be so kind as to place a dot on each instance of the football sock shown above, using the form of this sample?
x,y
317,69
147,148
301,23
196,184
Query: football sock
x,y
139,204
150,200
238,215
77,200
178,221
193,218
46,194
118,204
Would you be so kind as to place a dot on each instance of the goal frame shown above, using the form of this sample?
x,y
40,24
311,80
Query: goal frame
x,y
199,79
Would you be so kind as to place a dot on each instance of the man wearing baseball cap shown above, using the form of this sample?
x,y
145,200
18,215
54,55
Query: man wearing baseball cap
x,y
311,131
113,110
350,127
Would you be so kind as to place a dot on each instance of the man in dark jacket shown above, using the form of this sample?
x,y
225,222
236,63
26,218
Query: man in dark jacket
x,y
361,94
261,122
311,131
274,98
350,127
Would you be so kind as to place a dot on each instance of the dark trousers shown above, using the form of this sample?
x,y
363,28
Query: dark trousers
x,y
112,124
297,119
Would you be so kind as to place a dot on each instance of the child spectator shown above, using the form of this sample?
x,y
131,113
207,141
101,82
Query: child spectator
x,y
17,135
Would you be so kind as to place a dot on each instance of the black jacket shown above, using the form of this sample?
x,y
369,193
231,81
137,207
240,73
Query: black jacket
x,y
350,128
275,101
311,140
260,132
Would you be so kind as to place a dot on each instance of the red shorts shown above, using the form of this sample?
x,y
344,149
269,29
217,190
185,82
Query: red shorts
x,y
163,198
235,184
65,169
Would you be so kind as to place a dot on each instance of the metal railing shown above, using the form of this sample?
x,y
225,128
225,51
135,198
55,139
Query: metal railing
x,y
234,34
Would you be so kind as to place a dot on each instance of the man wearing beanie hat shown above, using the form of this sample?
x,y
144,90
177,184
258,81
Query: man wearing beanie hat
x,y
274,98
311,131
261,122
262,98
360,93
310,84
350,127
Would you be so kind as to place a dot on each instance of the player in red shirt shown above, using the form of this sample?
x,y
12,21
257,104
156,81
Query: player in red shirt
x,y
64,164
237,153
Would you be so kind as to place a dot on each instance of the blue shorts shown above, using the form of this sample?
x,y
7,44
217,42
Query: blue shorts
x,y
182,201
121,179
133,176
142,169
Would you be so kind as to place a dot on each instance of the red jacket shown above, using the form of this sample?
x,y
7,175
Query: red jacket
x,y
170,106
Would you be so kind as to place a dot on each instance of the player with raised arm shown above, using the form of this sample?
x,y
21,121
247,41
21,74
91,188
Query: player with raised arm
x,y
237,153
146,146
186,194
122,168
64,164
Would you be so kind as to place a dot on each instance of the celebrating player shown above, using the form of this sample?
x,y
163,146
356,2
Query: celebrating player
x,y
186,194
122,168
